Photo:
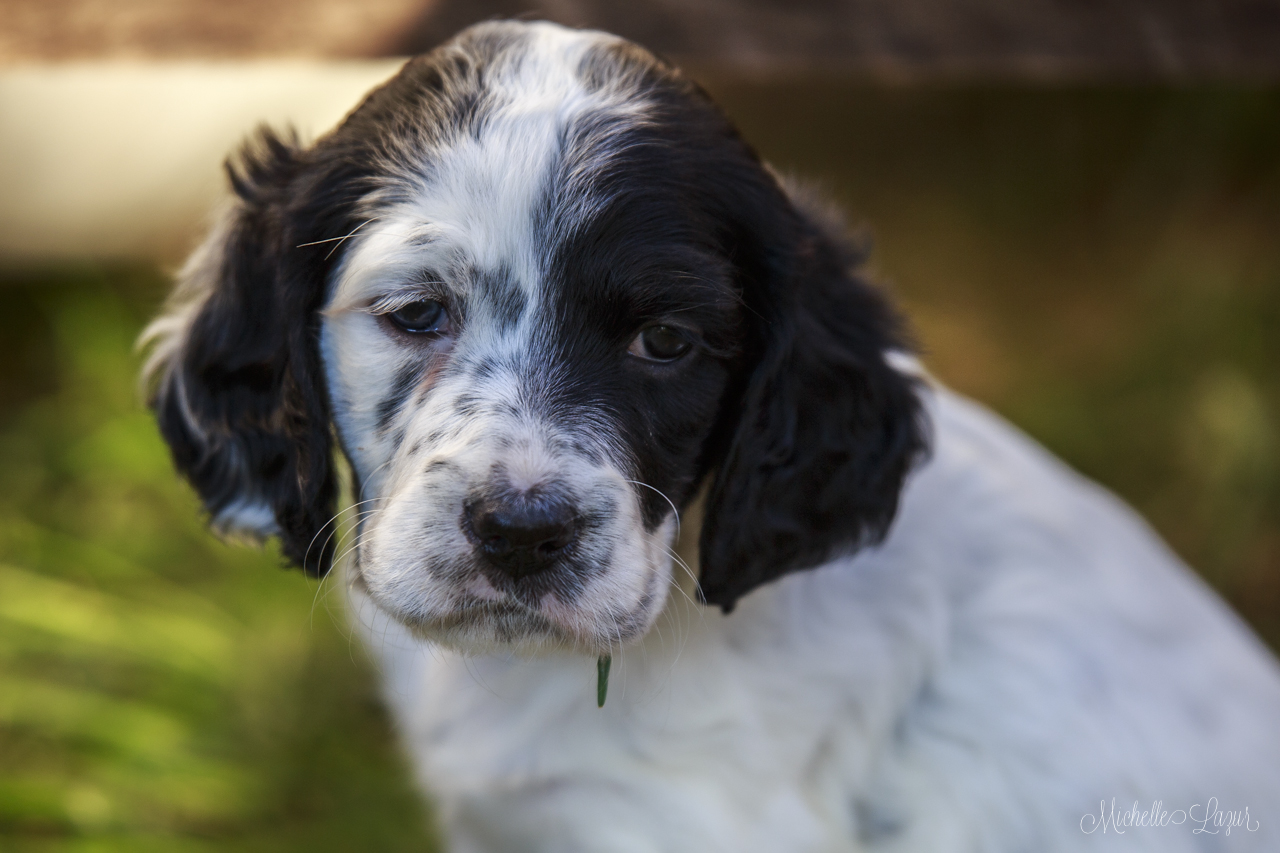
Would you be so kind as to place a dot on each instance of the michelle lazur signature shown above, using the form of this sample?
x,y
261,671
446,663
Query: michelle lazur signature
x,y
1203,819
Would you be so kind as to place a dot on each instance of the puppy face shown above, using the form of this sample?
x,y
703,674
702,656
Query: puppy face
x,y
523,367
543,292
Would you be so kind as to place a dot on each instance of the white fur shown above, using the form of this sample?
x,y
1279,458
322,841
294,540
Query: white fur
x,y
1019,650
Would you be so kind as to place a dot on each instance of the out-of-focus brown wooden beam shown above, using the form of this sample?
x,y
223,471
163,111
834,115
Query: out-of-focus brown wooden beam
x,y
38,31
1052,40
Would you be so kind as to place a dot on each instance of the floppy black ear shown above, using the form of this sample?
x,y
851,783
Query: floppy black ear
x,y
237,384
816,452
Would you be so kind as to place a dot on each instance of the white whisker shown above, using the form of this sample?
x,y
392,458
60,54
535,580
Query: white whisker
x,y
337,240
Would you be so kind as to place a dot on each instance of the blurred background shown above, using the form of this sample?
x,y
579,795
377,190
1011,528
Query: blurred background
x,y
1077,203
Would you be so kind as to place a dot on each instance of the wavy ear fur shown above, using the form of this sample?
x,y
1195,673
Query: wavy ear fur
x,y
237,386
826,430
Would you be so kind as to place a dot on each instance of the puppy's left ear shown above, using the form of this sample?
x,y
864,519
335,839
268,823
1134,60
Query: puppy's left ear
x,y
815,453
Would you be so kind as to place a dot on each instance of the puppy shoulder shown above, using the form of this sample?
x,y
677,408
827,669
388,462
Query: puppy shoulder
x,y
1076,639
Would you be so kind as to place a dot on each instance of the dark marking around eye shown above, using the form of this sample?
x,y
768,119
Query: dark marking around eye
x,y
401,389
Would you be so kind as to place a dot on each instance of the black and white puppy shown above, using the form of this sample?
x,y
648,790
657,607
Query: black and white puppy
x,y
548,302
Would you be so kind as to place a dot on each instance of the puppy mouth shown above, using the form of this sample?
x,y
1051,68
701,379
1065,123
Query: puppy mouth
x,y
504,617
474,623
495,625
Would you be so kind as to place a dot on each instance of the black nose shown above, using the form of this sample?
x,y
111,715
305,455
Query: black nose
x,y
522,533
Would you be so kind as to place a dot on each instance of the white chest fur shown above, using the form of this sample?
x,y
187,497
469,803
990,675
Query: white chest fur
x,y
1021,649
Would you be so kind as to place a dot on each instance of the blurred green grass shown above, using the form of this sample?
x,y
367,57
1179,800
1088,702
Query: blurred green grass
x,y
159,690
1102,266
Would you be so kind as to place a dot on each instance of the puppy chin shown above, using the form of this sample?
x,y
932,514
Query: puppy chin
x,y
497,627
482,620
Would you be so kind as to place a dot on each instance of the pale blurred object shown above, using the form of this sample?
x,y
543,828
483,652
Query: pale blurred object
x,y
897,40
119,159
124,160
52,30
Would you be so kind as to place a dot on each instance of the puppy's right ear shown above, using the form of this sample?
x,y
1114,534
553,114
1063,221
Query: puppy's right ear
x,y
235,376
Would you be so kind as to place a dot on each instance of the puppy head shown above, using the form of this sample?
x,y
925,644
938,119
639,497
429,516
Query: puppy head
x,y
542,291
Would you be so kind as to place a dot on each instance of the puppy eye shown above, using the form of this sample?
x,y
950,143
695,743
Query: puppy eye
x,y
660,343
421,318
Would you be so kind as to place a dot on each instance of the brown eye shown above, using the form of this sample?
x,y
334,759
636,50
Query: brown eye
x,y
421,318
660,343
